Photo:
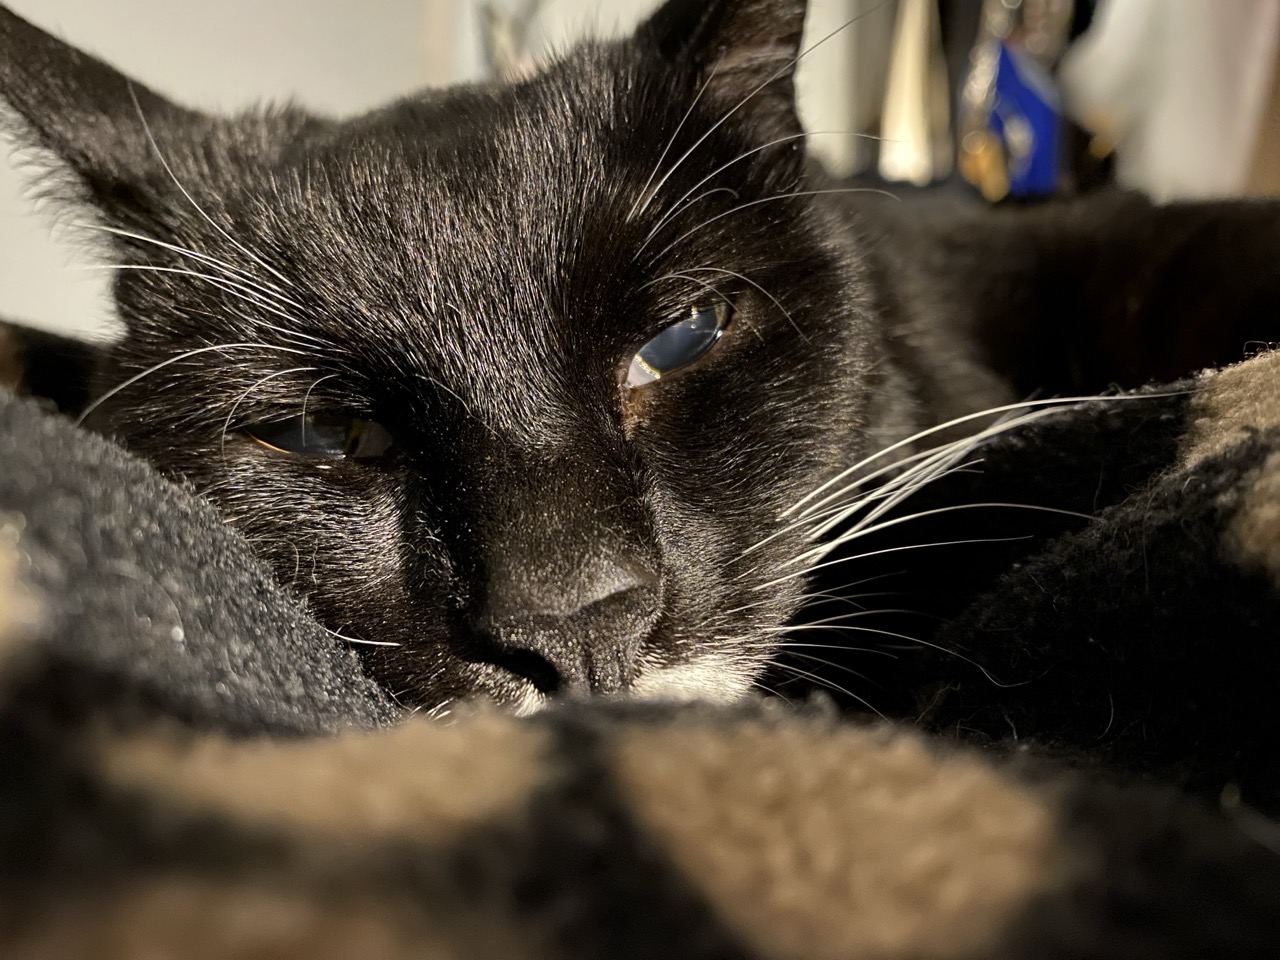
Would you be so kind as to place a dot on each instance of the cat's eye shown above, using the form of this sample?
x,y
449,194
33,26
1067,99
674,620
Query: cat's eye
x,y
326,436
678,345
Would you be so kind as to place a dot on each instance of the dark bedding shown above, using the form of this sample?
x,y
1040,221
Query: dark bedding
x,y
190,766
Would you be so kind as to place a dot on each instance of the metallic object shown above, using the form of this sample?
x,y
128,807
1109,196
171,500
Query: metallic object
x,y
1009,111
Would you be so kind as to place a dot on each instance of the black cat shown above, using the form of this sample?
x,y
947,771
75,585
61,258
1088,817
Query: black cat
x,y
521,384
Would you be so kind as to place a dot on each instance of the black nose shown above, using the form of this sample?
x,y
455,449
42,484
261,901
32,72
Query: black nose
x,y
569,631
559,562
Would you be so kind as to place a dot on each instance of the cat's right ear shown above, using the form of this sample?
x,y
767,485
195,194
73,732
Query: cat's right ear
x,y
746,49
90,120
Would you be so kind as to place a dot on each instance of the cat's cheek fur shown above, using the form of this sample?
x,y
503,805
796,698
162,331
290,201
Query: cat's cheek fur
x,y
376,571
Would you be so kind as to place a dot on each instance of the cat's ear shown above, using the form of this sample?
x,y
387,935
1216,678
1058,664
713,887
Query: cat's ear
x,y
746,50
89,119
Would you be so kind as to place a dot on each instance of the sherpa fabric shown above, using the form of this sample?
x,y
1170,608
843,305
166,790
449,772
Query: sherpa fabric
x,y
1139,631
144,587
191,767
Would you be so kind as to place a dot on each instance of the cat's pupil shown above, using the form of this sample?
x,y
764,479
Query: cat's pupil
x,y
678,345
329,436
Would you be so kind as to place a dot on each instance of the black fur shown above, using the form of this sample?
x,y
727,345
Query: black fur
x,y
463,267
473,268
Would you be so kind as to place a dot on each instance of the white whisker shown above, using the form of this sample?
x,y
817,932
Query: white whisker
x,y
839,648
240,291
248,284
645,197
822,662
968,418
684,276
146,128
823,595
770,691
676,209
306,397
941,649
702,196
826,682
889,489
935,460
176,359
813,555
899,489
786,313
173,248
884,498
833,622
359,640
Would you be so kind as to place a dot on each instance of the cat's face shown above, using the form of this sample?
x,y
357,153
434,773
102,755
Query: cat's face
x,y
412,356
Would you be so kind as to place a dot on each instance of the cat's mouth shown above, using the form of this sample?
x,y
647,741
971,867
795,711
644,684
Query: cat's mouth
x,y
706,680
529,702
525,683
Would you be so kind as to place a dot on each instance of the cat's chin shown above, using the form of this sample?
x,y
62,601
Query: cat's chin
x,y
708,679
528,701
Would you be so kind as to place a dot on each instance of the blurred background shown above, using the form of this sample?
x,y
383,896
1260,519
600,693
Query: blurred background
x,y
997,101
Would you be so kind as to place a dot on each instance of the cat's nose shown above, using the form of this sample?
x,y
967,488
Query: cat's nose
x,y
578,634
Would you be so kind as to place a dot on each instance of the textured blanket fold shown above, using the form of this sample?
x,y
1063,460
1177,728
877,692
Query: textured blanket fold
x,y
191,766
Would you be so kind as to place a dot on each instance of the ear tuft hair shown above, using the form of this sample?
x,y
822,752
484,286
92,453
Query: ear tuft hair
x,y
80,111
747,50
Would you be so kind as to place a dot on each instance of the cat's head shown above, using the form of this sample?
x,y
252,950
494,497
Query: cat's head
x,y
515,383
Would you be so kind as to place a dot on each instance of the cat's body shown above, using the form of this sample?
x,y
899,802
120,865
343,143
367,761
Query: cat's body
x,y
458,288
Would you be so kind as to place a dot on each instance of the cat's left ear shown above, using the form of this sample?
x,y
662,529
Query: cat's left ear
x,y
91,119
747,51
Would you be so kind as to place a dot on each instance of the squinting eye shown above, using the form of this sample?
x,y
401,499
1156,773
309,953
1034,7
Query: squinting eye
x,y
327,436
678,345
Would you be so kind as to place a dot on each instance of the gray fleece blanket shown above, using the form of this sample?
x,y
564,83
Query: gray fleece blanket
x,y
191,767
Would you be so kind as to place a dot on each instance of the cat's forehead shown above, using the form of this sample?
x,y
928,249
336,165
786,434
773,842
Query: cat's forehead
x,y
502,175
471,145
495,223
468,236
453,194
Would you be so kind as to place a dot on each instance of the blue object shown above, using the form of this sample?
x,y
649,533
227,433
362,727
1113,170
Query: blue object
x,y
1025,118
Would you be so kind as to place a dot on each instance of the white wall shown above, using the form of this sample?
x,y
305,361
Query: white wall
x,y
336,56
